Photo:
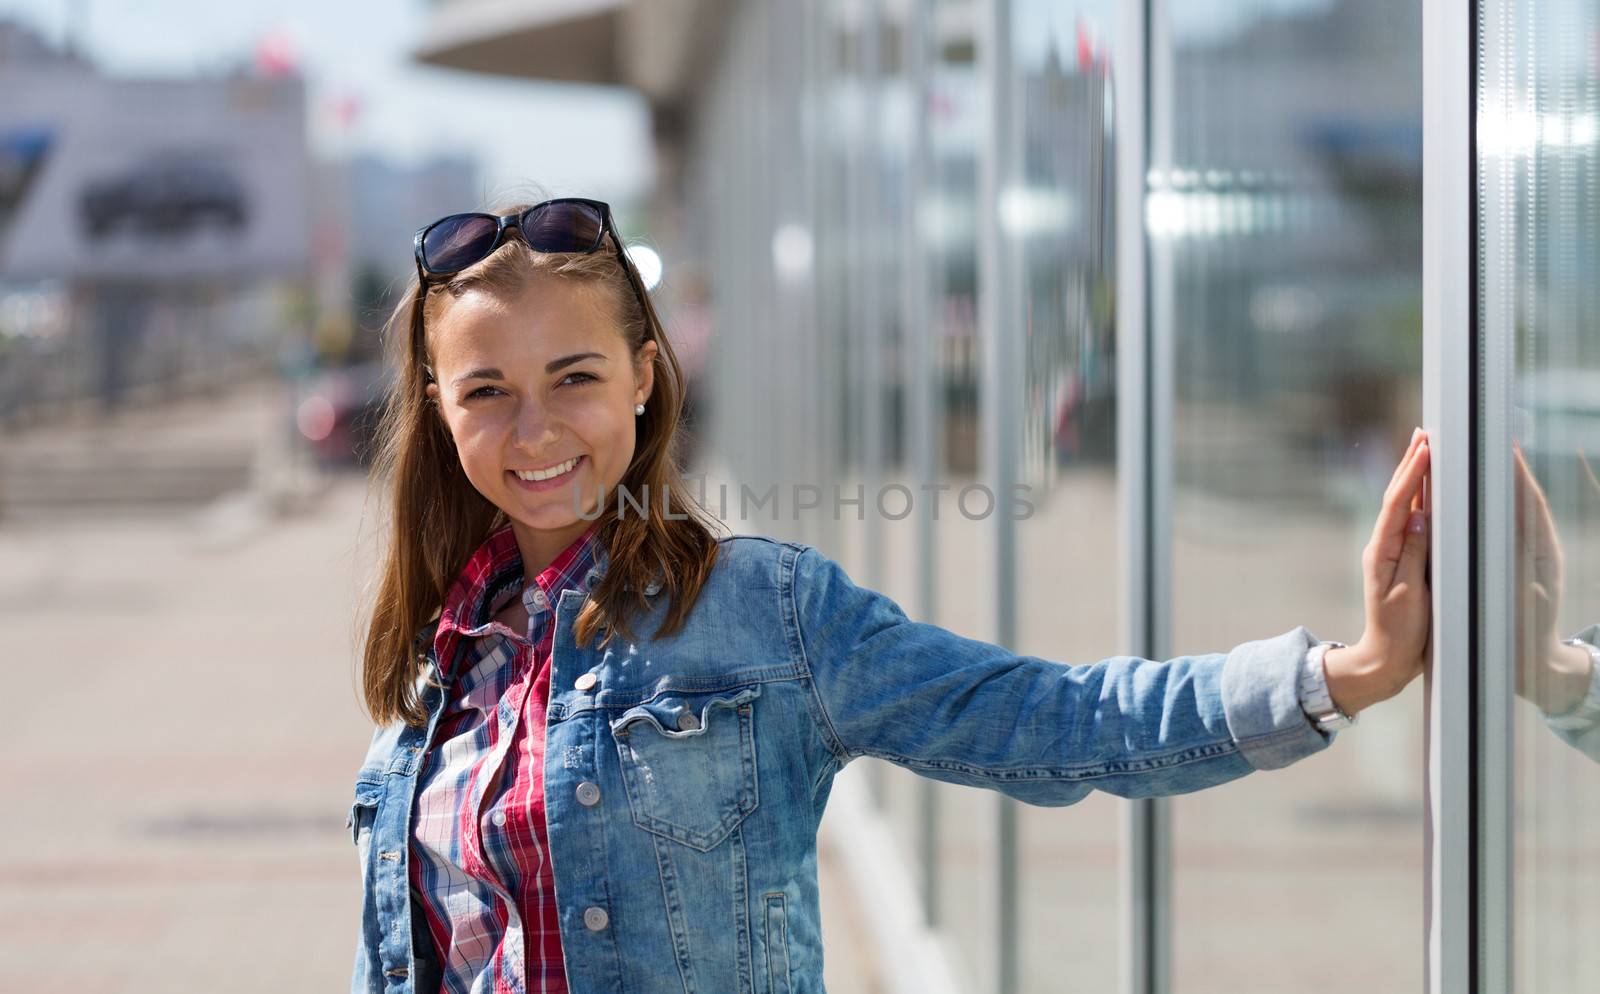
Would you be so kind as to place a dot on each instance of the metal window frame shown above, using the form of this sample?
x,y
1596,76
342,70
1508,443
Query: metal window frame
x,y
924,423
1000,422
1466,837
1144,451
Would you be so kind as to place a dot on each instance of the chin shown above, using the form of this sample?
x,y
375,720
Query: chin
x,y
556,512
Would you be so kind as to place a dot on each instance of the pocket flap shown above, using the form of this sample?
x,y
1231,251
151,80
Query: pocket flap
x,y
678,715
368,794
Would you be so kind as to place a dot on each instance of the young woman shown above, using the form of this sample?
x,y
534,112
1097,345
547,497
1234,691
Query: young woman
x,y
606,736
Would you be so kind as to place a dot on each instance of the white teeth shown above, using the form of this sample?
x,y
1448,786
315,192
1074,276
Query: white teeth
x,y
545,474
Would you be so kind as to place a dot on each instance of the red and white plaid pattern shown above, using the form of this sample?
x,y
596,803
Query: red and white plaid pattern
x,y
480,862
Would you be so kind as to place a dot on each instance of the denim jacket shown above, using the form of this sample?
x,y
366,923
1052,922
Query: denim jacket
x,y
684,787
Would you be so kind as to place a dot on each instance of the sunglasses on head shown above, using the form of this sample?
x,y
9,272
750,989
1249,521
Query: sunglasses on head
x,y
566,224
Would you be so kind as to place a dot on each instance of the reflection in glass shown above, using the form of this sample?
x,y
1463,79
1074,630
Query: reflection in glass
x,y
965,839
1284,212
1538,148
1059,219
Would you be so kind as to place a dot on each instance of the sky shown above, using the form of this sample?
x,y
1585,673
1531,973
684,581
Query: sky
x,y
571,140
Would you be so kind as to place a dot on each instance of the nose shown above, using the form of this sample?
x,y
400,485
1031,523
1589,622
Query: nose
x,y
536,428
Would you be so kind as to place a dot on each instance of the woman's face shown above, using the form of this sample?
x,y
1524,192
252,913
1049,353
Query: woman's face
x,y
533,383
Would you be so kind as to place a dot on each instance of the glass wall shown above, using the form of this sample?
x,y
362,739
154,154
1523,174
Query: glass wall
x,y
1283,214
909,217
1056,213
1538,192
946,106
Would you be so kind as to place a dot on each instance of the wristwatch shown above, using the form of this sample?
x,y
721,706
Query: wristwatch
x,y
1314,697
1588,710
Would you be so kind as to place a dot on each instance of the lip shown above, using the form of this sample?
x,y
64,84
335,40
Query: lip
x,y
550,484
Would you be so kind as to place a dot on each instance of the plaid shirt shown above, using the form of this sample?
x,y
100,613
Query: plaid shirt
x,y
480,865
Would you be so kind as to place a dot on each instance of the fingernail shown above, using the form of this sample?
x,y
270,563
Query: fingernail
x,y
1418,523
1414,433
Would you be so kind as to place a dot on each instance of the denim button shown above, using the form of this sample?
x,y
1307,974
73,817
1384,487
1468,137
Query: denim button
x,y
595,918
588,794
687,722
585,681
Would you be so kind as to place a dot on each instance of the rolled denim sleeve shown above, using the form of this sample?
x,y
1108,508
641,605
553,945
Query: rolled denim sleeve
x,y
1580,727
1261,696
971,712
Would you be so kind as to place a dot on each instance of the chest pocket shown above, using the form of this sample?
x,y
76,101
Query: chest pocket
x,y
689,763
363,811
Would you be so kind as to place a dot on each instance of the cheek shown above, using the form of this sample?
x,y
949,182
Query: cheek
x,y
610,436
478,434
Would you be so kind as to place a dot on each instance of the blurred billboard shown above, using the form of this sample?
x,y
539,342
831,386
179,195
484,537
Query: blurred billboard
x,y
151,179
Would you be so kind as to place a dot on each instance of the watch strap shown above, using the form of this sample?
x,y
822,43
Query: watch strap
x,y
1315,700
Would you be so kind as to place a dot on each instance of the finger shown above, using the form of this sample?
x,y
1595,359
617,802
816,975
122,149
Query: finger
x,y
1414,552
1416,436
1389,529
1531,508
1593,479
1422,500
1391,532
1524,494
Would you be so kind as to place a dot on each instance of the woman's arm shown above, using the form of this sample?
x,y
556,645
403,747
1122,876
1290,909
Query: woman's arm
x,y
971,712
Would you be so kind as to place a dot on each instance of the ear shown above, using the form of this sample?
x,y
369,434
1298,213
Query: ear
x,y
432,391
644,376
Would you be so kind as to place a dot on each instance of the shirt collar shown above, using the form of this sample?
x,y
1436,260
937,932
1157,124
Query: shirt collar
x,y
494,570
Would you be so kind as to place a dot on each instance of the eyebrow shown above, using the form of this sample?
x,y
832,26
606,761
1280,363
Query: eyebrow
x,y
554,365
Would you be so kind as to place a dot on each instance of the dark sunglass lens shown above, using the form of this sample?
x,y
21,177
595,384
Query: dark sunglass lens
x,y
457,242
563,228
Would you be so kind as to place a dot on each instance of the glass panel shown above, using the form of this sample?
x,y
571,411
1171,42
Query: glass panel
x,y
1284,216
1060,221
1539,190
966,839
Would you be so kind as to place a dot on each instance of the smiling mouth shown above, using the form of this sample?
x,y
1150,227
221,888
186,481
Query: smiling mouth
x,y
562,472
549,472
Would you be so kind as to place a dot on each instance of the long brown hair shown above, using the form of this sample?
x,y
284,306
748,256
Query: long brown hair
x,y
439,519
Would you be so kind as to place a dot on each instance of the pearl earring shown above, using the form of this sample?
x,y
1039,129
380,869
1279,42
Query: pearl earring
x,y
638,409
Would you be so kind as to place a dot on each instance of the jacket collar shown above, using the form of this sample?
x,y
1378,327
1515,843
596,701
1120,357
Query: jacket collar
x,y
602,559
484,568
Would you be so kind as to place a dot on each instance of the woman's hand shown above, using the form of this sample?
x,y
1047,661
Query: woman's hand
x,y
1395,645
1551,674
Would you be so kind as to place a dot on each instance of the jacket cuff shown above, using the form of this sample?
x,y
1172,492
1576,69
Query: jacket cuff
x,y
1261,700
1586,713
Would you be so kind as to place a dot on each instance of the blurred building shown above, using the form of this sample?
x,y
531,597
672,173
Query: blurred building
x,y
162,223
367,208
